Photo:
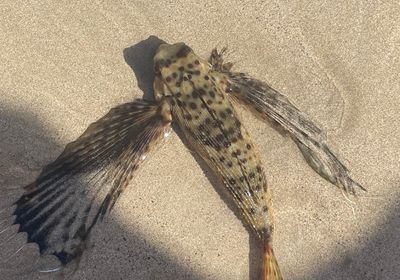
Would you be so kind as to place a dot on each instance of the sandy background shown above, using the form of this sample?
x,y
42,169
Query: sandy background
x,y
63,65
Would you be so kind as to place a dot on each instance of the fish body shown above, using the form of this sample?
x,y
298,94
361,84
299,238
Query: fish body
x,y
201,107
203,111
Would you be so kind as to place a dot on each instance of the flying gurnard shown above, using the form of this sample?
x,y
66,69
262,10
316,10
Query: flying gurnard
x,y
59,209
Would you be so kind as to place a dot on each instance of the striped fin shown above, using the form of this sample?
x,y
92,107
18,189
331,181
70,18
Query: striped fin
x,y
268,104
60,208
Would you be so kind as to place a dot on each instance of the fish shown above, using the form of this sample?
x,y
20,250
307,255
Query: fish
x,y
60,208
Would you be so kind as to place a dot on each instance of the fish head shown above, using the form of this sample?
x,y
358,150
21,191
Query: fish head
x,y
171,54
175,63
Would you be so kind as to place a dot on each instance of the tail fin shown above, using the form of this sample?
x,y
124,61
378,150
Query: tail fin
x,y
271,269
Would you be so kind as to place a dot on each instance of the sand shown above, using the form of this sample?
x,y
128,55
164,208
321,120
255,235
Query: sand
x,y
65,65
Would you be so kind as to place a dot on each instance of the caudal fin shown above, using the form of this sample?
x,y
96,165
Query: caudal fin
x,y
271,269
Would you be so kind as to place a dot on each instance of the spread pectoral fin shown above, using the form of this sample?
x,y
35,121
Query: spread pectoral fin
x,y
268,104
59,209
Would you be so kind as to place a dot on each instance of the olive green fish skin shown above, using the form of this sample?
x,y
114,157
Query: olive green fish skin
x,y
202,109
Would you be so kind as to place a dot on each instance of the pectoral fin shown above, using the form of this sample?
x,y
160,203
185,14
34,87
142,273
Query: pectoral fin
x,y
60,208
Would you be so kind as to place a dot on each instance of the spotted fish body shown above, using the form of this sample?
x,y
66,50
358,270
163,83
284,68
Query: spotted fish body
x,y
60,208
205,114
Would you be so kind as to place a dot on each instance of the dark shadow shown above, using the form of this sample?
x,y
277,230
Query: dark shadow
x,y
376,259
24,148
26,145
140,58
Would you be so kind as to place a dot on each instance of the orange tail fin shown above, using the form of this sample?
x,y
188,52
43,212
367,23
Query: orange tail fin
x,y
271,269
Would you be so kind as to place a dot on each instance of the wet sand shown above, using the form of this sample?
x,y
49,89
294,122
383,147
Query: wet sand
x,y
65,65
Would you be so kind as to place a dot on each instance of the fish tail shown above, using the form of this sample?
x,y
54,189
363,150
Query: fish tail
x,y
270,269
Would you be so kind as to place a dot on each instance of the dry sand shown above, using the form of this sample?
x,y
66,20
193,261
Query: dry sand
x,y
63,65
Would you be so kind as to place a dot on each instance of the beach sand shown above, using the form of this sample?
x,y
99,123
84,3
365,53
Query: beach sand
x,y
65,65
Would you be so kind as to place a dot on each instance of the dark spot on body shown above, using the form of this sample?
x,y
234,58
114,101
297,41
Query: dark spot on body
x,y
174,75
220,137
178,94
190,65
212,93
265,209
232,181
229,164
252,211
185,78
195,94
227,144
259,169
181,68
229,111
241,178
160,63
257,188
184,51
209,102
248,146
197,62
206,77
201,91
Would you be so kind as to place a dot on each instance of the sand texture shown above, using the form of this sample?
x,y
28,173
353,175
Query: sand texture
x,y
64,64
